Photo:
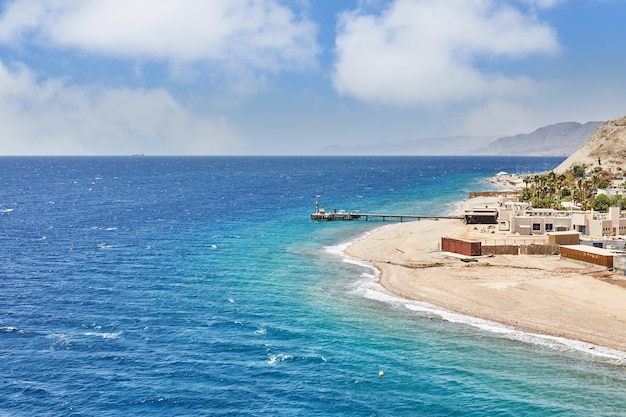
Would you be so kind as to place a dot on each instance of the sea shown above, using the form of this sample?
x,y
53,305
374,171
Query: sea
x,y
199,286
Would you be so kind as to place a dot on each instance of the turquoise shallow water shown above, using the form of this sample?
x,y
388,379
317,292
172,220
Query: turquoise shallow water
x,y
198,286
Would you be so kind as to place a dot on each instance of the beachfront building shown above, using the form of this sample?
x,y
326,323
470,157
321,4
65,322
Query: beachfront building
x,y
482,215
539,221
520,218
528,221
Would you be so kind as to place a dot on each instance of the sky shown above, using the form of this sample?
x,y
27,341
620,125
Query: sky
x,y
295,77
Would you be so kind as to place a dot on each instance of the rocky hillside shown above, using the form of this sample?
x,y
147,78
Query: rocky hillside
x,y
560,139
605,148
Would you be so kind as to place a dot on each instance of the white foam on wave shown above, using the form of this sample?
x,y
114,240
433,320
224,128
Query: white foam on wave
x,y
273,359
374,291
456,207
107,246
60,341
10,329
340,248
114,335
339,251
59,336
368,287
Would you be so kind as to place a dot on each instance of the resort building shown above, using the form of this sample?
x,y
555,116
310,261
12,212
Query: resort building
x,y
611,223
525,221
540,221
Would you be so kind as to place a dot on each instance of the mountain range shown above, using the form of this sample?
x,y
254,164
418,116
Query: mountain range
x,y
560,139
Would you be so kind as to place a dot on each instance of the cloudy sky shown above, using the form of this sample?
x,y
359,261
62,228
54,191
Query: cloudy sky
x,y
204,77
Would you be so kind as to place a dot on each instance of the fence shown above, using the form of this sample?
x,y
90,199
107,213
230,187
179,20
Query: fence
x,y
540,250
474,194
500,250
520,249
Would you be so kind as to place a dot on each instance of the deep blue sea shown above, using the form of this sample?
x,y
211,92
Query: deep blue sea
x,y
198,286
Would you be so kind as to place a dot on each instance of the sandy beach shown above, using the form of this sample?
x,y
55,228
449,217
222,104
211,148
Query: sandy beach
x,y
539,294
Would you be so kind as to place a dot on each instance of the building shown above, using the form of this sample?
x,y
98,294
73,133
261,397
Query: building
x,y
611,223
529,221
539,221
482,215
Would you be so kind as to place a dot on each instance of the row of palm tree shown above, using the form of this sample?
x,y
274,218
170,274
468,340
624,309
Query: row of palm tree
x,y
550,190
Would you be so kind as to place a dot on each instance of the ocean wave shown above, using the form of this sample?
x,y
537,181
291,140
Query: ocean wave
x,y
340,248
273,359
552,342
60,341
107,246
10,329
367,286
113,335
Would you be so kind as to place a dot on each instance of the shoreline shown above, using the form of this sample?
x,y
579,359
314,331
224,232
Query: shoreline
x,y
536,294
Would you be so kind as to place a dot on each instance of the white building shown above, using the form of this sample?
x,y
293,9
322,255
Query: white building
x,y
611,223
529,221
540,221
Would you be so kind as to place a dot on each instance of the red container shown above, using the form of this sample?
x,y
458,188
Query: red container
x,y
588,254
460,246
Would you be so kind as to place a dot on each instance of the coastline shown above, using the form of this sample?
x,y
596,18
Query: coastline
x,y
538,294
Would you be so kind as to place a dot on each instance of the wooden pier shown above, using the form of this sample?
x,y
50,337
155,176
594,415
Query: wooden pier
x,y
322,215
401,217
352,215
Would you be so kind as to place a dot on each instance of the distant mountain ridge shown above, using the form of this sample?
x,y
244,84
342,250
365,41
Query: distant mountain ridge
x,y
453,145
560,139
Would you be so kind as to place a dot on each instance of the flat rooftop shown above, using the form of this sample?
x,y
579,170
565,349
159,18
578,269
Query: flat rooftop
x,y
591,249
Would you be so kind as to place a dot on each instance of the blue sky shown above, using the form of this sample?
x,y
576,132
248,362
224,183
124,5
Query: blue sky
x,y
197,77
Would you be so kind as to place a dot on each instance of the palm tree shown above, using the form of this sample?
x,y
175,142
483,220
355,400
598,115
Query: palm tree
x,y
578,171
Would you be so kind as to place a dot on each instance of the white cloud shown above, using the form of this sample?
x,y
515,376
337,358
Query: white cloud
x,y
499,117
544,4
257,34
427,51
50,117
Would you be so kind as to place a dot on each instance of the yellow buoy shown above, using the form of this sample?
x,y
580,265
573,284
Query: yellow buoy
x,y
381,373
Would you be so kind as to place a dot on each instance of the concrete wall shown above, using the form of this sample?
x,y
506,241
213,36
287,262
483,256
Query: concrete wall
x,y
562,223
563,238
619,262
599,227
521,224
